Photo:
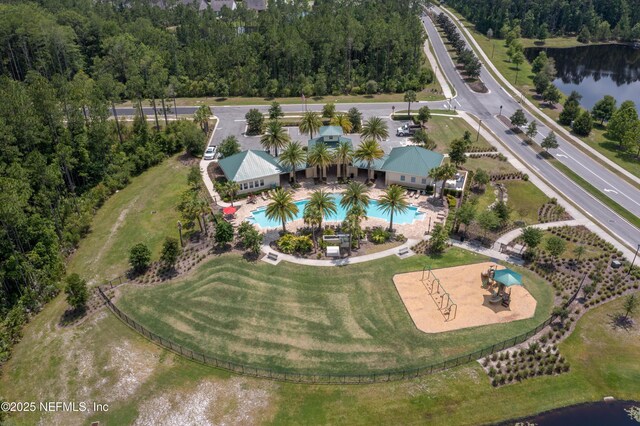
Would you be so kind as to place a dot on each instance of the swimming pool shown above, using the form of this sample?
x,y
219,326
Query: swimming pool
x,y
260,218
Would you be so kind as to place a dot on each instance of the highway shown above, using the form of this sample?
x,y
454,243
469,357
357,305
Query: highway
x,y
486,107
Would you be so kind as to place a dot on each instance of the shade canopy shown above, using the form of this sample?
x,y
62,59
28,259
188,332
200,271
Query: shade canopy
x,y
229,210
507,277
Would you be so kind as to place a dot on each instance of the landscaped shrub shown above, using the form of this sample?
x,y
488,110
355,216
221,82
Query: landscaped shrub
x,y
290,244
379,236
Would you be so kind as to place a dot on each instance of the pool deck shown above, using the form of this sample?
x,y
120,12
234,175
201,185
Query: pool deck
x,y
415,230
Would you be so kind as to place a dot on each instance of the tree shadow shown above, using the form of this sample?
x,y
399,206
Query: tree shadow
x,y
221,99
71,315
621,321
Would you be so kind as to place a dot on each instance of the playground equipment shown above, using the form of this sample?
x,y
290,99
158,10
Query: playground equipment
x,y
447,307
503,279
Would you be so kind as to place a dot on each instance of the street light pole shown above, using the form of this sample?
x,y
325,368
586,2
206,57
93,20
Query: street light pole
x,y
500,110
478,135
634,260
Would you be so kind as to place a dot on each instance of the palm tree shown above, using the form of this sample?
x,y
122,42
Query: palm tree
x,y
231,189
292,156
275,136
343,121
393,201
354,216
201,117
343,154
310,123
369,151
375,128
321,157
323,203
281,207
356,195
442,173
313,218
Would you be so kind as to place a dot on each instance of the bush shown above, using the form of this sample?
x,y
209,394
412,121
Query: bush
x,y
379,236
290,244
139,257
76,291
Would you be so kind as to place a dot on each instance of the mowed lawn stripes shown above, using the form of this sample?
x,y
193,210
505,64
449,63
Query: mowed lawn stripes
x,y
306,319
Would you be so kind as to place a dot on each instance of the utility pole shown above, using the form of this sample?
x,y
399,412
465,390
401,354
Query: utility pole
x,y
634,260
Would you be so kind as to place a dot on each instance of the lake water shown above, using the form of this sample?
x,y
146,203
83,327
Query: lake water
x,y
595,71
594,414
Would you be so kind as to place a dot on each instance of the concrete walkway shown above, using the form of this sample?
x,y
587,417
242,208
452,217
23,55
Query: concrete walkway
x,y
338,262
550,122
204,164
446,89
511,235
579,218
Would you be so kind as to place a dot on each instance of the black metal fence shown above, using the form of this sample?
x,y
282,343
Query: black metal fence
x,y
347,378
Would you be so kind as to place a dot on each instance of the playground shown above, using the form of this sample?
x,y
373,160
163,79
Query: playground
x,y
459,297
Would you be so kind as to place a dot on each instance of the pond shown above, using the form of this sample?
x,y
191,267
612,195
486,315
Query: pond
x,y
595,71
598,413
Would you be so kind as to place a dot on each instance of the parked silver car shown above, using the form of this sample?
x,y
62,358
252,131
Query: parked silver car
x,y
210,153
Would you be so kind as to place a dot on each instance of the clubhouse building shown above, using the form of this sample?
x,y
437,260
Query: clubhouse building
x,y
407,166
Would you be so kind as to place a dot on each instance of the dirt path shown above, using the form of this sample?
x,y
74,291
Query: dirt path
x,y
114,229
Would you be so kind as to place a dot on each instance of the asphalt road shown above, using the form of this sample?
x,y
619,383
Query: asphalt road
x,y
486,107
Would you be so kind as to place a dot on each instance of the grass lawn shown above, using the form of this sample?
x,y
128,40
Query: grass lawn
x,y
347,319
144,211
105,361
431,92
525,199
496,50
591,251
443,130
490,165
485,199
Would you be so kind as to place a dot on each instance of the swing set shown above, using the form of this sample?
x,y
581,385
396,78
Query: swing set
x,y
445,304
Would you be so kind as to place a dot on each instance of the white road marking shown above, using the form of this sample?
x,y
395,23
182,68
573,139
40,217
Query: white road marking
x,y
561,155
599,177
610,190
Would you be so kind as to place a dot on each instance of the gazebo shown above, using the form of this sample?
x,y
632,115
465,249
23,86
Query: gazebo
x,y
506,278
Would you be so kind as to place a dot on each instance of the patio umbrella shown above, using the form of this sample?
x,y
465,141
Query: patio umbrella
x,y
507,277
229,210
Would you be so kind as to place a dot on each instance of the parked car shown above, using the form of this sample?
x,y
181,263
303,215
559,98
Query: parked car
x,y
210,153
407,129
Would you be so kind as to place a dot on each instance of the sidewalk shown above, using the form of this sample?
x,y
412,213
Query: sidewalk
x,y
579,217
549,122
208,183
337,262
446,89
511,235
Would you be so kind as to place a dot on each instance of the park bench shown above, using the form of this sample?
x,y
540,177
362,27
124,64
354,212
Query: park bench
x,y
403,251
272,256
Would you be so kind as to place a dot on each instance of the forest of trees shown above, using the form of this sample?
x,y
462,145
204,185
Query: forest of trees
x,y
64,64
592,19
61,157
337,46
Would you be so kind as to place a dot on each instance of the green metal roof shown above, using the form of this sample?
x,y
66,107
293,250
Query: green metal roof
x,y
330,131
249,165
412,160
330,144
377,164
507,277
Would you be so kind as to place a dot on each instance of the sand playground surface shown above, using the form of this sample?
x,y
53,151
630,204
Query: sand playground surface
x,y
464,285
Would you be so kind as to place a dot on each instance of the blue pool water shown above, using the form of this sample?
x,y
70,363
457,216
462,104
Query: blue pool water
x,y
260,218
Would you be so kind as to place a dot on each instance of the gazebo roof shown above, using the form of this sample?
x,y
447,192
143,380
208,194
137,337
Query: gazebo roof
x,y
507,277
